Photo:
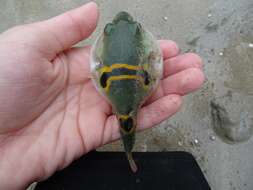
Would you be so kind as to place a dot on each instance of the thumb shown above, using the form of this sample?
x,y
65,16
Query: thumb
x,y
56,34
72,26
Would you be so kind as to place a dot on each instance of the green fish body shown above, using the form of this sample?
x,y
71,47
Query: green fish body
x,y
126,66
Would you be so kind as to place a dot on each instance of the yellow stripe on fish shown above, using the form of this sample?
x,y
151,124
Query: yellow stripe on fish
x,y
124,77
125,117
121,65
123,71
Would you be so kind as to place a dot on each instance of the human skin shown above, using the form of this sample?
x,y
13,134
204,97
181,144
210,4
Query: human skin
x,y
50,112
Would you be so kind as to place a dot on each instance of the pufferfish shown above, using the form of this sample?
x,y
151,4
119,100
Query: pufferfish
x,y
126,67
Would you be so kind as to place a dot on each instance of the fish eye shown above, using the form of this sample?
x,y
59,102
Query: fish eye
x,y
138,29
139,26
108,29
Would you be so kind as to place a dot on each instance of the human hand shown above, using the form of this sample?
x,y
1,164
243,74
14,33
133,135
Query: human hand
x,y
50,112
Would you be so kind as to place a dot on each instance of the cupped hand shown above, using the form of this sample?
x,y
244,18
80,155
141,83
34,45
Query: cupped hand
x,y
50,112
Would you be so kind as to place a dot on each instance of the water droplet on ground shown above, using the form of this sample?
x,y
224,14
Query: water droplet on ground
x,y
212,138
165,18
250,45
196,141
180,143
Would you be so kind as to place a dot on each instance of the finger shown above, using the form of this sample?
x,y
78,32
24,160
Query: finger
x,y
184,82
72,26
149,116
159,111
181,83
169,48
182,62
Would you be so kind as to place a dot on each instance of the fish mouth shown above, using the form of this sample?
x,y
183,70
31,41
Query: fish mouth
x,y
123,16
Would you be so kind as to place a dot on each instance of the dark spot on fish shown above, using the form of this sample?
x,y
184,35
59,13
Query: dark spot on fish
x,y
103,80
126,124
146,78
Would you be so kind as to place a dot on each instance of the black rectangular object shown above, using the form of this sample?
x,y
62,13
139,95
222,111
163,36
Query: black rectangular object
x,y
110,171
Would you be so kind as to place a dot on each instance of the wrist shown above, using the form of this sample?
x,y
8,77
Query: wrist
x,y
15,172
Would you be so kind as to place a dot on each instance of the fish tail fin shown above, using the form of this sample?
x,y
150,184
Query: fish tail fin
x,y
127,130
131,161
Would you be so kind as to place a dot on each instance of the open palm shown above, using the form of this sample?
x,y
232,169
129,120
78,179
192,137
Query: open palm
x,y
50,112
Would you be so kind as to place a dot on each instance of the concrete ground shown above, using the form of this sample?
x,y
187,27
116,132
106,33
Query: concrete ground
x,y
216,122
